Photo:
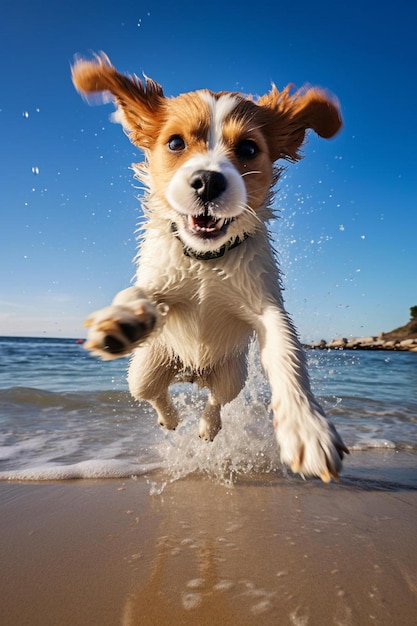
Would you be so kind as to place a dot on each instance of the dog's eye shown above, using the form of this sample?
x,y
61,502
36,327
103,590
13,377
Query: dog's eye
x,y
246,150
176,143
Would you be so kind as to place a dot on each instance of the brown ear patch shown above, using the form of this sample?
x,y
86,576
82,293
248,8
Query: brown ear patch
x,y
292,114
140,102
315,109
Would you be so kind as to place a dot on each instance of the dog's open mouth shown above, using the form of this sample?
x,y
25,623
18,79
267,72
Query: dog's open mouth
x,y
206,225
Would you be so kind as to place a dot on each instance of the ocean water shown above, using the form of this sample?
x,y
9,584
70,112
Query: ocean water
x,y
65,414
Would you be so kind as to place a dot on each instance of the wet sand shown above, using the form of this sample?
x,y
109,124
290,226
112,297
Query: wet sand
x,y
267,550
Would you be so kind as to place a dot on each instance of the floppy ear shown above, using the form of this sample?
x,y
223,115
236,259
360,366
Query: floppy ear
x,y
140,104
292,114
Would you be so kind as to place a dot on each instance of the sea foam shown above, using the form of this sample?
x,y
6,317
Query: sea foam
x,y
108,468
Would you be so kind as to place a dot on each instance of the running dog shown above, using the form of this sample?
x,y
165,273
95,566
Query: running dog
x,y
207,276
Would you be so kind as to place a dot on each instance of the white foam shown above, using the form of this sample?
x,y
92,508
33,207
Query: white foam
x,y
25,447
95,468
373,443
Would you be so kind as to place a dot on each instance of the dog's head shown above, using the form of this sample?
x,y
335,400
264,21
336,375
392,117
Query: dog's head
x,y
210,156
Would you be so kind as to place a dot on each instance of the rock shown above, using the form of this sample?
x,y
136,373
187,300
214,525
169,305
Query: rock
x,y
320,345
390,345
378,344
408,343
352,344
366,340
337,344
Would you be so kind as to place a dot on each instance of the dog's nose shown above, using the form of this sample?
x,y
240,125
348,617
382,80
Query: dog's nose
x,y
207,184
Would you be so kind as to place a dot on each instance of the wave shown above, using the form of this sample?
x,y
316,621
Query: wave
x,y
358,407
364,406
48,435
32,396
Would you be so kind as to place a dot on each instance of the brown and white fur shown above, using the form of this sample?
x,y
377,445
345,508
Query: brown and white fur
x,y
207,277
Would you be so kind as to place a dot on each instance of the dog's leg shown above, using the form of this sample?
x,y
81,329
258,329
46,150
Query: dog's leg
x,y
210,420
151,371
167,413
308,442
119,328
224,381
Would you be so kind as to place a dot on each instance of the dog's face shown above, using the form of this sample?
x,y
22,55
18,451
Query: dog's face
x,y
210,156
211,165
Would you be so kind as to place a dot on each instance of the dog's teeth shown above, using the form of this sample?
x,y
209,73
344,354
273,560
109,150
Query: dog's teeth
x,y
212,224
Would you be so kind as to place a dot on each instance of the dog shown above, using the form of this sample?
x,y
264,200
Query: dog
x,y
207,274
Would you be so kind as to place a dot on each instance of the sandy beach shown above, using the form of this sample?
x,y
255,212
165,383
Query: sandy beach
x,y
266,550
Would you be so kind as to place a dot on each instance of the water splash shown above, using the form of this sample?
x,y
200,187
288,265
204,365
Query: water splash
x,y
246,444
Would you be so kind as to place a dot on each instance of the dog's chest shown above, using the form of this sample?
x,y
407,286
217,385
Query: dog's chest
x,y
212,305
204,299
205,321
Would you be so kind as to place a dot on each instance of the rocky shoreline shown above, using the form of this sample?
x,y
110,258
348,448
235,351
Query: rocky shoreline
x,y
367,343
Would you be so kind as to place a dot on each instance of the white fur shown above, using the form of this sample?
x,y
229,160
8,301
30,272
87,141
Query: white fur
x,y
219,109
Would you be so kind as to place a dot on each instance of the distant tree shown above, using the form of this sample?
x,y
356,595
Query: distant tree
x,y
413,312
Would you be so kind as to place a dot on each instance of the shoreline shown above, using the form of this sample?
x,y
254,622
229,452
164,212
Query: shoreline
x,y
274,549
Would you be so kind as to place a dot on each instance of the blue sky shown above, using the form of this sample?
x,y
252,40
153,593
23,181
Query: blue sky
x,y
347,232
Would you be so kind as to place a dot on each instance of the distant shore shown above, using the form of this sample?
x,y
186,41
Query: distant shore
x,y
366,343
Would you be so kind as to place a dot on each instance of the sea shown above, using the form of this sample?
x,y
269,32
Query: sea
x,y
64,414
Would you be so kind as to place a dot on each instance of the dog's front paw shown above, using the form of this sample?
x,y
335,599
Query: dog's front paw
x,y
310,445
117,329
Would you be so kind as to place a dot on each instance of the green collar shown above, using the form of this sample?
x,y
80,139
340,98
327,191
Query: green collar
x,y
210,254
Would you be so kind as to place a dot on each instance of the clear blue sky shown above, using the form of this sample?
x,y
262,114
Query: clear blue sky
x,y
348,229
